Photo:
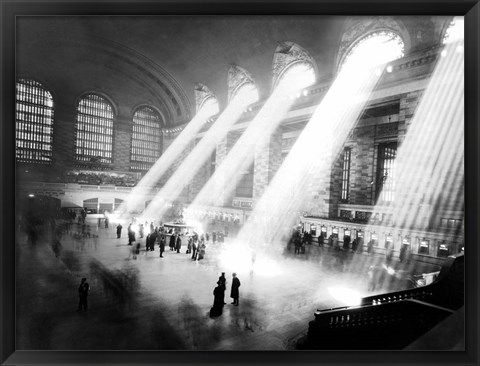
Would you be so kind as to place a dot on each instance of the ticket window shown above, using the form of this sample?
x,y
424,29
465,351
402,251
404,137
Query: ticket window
x,y
306,227
313,230
405,249
347,234
388,242
360,239
406,242
374,238
335,231
323,232
443,250
329,231
424,247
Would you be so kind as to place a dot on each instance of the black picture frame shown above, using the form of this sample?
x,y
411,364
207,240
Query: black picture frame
x,y
11,9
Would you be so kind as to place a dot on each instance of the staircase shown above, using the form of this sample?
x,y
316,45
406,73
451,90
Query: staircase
x,y
392,320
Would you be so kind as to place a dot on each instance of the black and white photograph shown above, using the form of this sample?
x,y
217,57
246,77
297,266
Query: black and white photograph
x,y
240,182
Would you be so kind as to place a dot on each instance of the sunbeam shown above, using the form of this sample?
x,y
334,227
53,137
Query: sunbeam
x,y
136,198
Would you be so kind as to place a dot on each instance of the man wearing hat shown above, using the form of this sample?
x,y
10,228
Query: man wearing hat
x,y
234,293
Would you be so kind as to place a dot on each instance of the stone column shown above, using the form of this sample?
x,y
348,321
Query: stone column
x,y
64,138
122,142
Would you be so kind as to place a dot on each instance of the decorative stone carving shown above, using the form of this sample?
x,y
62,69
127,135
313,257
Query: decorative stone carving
x,y
237,76
202,93
357,28
285,55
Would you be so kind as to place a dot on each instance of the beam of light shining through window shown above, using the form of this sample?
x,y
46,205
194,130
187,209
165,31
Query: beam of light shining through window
x,y
194,161
275,213
255,137
430,161
135,199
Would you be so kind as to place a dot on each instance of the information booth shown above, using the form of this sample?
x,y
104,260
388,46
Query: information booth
x,y
182,229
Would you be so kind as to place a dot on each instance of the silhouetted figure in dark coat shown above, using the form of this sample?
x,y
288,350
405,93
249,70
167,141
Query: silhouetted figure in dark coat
x,y
83,290
354,245
223,282
162,245
172,242
194,249
234,293
178,244
119,231
217,308
131,235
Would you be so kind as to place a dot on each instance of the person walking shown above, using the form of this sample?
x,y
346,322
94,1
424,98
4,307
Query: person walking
x,y
234,293
83,290
119,231
172,241
178,244
131,235
162,245
194,248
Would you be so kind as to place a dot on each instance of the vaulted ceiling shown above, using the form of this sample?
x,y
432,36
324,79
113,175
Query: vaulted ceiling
x,y
157,60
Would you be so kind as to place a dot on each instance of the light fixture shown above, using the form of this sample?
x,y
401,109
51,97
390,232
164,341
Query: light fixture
x,y
31,195
444,53
389,68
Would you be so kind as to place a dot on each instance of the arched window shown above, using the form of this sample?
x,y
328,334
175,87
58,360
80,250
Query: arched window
x,y
146,141
455,31
34,123
297,76
293,67
206,101
241,86
246,93
375,48
94,130
210,106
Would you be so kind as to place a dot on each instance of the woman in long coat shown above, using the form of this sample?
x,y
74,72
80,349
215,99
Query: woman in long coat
x,y
234,293
172,241
217,308
178,244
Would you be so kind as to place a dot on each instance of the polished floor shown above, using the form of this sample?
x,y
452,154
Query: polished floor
x,y
151,303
